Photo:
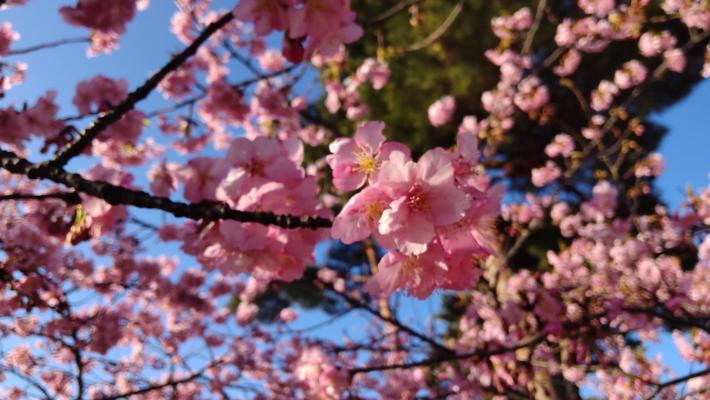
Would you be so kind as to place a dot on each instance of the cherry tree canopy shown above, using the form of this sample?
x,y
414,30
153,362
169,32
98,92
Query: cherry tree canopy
x,y
528,208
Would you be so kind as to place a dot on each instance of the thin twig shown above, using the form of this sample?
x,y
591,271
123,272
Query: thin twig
x,y
361,305
483,353
535,26
673,382
391,12
169,383
48,45
438,32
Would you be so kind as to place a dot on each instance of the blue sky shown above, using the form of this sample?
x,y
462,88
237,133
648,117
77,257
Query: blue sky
x,y
687,145
148,44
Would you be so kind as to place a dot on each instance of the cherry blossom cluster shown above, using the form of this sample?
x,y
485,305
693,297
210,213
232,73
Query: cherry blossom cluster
x,y
311,26
259,175
107,20
345,95
605,22
40,119
435,215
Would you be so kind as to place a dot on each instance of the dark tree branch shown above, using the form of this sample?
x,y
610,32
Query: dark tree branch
x,y
79,361
105,120
117,195
478,354
692,321
174,383
536,25
48,45
392,11
436,33
673,382
67,197
243,60
28,379
361,305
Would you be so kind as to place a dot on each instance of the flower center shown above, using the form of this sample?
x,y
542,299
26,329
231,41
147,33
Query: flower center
x,y
365,162
417,198
256,168
374,210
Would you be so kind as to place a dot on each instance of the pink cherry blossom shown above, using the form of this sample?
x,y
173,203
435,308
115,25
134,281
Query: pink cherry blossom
x,y
360,217
223,102
7,36
591,133
253,163
326,24
101,15
162,178
417,273
201,177
546,284
475,234
652,44
271,60
653,165
182,25
532,95
267,15
562,145
356,160
569,63
99,93
441,111
675,60
600,8
423,197
377,72
603,95
631,74
545,175
318,18
178,83
508,27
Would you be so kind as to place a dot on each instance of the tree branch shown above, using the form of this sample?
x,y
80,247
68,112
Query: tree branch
x,y
359,304
29,380
536,25
67,197
391,12
117,195
79,361
438,32
48,45
105,120
171,382
483,353
673,382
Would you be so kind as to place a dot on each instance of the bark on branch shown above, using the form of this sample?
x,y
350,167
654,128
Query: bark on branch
x,y
67,197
